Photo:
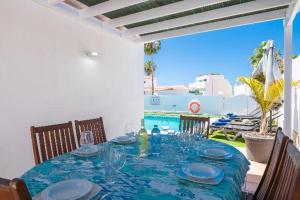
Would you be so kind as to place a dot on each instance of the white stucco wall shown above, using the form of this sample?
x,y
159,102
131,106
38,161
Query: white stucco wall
x,y
296,102
242,89
46,78
214,85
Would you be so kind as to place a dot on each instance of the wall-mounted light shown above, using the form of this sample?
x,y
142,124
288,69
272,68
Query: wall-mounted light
x,y
92,54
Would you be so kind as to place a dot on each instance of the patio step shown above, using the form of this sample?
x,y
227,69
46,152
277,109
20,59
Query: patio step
x,y
254,174
249,187
253,178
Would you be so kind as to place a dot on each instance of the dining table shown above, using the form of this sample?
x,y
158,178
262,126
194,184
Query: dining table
x,y
154,176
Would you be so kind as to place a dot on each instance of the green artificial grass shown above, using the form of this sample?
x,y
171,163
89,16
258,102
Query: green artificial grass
x,y
219,136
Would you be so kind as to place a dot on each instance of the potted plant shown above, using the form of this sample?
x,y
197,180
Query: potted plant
x,y
259,144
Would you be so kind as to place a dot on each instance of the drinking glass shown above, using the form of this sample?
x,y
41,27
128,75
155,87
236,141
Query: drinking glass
x,y
118,157
86,138
198,131
107,163
184,142
114,160
196,136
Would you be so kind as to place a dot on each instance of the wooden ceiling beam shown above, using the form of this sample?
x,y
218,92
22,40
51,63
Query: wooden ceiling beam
x,y
107,6
240,21
168,9
220,13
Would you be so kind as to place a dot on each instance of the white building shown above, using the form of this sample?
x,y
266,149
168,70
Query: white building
x,y
212,85
241,89
170,90
148,82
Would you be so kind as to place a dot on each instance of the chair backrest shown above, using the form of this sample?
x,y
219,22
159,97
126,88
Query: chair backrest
x,y
51,141
267,179
4,181
14,190
187,123
95,126
287,179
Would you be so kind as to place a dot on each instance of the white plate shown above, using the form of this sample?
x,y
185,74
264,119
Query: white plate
x,y
201,171
180,174
216,153
86,151
66,190
124,140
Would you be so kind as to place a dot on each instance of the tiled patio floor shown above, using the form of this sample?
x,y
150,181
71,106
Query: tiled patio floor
x,y
254,174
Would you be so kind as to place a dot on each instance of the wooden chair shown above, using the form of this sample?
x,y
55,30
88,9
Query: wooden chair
x,y
14,190
51,141
95,126
267,179
286,183
4,181
187,123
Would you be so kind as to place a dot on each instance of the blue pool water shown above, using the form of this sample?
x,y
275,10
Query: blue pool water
x,y
171,121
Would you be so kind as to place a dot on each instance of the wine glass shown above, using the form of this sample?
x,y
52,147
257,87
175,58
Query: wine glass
x,y
166,124
170,154
86,138
129,130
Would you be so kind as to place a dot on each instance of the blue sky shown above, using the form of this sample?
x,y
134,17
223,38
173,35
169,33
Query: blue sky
x,y
226,51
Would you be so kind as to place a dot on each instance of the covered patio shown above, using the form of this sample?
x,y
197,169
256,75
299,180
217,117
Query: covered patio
x,y
72,60
145,21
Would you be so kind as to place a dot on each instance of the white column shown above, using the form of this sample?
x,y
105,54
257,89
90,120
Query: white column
x,y
287,124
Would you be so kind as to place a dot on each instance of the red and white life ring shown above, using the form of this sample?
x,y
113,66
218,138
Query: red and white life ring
x,y
194,106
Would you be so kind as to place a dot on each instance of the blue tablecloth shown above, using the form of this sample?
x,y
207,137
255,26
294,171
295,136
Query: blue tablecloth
x,y
148,178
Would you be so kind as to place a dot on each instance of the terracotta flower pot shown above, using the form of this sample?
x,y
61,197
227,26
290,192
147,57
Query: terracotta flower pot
x,y
258,147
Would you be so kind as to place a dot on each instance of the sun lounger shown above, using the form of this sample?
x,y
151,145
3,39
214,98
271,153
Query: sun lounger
x,y
241,117
252,120
254,113
236,129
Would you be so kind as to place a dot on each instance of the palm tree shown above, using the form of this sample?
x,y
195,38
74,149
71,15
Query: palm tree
x,y
266,101
151,49
149,68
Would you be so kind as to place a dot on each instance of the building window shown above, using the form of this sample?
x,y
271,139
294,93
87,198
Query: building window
x,y
203,80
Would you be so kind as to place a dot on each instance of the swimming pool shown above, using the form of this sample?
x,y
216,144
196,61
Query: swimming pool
x,y
160,120
173,122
